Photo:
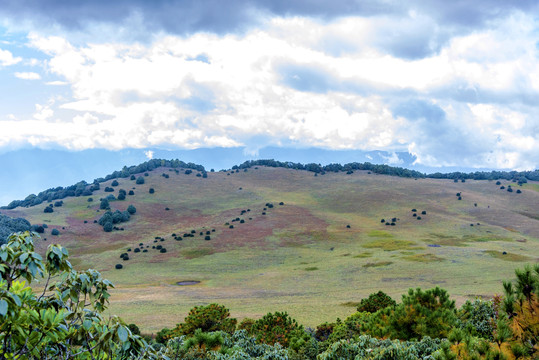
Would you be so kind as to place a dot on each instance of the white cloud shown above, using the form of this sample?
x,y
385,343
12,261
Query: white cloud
x,y
56,83
7,59
149,154
43,112
27,75
303,82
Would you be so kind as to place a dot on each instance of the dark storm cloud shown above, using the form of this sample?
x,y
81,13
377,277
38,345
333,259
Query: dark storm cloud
x,y
187,16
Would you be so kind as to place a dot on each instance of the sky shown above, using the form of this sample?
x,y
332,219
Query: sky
x,y
452,83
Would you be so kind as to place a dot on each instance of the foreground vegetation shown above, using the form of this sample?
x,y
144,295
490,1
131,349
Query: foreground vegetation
x,y
65,321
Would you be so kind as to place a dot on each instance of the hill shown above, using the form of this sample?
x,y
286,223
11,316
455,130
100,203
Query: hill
x,y
314,256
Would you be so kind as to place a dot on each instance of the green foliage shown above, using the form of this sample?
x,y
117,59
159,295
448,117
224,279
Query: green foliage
x,y
104,205
376,302
108,219
238,346
246,324
65,320
164,335
277,328
421,313
521,306
366,347
134,328
10,225
131,209
140,180
323,331
108,227
480,315
212,317
55,232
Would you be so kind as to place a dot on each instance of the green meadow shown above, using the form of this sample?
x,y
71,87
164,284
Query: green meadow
x,y
315,256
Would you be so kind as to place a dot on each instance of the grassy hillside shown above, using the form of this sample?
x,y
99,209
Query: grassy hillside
x,y
301,256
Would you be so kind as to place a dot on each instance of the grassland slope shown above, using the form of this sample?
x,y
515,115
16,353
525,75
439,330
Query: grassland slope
x,y
285,240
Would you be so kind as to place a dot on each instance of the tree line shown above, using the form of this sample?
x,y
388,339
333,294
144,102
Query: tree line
x,y
83,188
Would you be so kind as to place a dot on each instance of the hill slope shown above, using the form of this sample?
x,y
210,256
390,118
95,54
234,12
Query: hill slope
x,y
300,256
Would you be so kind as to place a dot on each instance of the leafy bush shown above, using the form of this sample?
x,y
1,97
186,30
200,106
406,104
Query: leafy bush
x,y
246,324
222,346
55,232
376,302
107,227
104,204
520,308
367,347
480,315
421,313
64,321
38,229
119,266
48,209
323,331
277,328
108,219
131,209
212,317
10,225
151,191
114,183
140,180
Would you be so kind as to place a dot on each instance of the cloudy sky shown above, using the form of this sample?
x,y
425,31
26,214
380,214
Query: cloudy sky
x,y
455,83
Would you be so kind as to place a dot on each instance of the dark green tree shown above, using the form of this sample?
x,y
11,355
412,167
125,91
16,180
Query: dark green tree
x,y
375,302
104,204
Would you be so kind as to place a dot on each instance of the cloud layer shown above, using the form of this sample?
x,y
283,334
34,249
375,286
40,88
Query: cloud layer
x,y
452,83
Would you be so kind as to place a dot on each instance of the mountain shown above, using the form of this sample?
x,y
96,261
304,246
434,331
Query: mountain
x,y
260,239
29,171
